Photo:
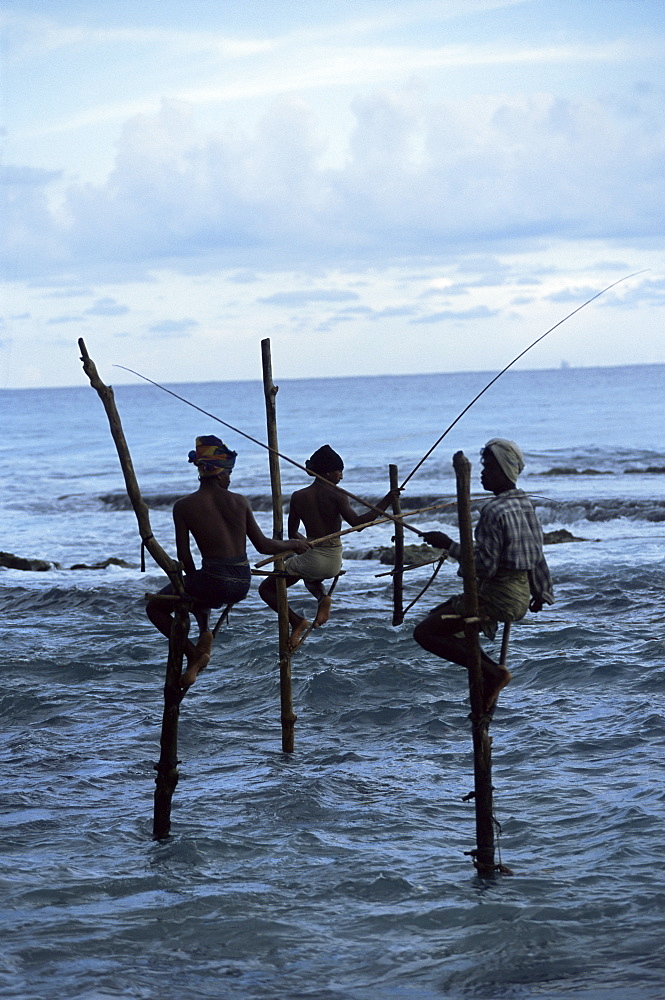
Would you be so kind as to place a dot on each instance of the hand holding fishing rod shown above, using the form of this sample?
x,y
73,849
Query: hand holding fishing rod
x,y
372,524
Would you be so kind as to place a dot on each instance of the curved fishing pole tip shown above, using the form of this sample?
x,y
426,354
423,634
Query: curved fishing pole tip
x,y
517,358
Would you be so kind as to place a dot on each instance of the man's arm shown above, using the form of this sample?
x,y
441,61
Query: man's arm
x,y
271,546
347,512
294,517
182,542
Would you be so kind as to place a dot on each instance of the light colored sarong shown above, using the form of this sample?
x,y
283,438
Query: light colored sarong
x,y
319,563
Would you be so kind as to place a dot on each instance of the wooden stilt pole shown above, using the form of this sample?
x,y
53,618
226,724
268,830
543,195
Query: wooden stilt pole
x,y
167,768
288,716
398,538
482,744
105,393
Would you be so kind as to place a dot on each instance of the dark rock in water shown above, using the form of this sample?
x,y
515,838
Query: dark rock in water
x,y
102,565
559,536
564,470
414,555
419,555
16,562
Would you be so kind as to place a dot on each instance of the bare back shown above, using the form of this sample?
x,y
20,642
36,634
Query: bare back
x,y
320,510
217,519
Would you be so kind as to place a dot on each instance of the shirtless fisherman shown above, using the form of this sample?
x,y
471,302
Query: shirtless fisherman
x,y
321,510
219,521
512,573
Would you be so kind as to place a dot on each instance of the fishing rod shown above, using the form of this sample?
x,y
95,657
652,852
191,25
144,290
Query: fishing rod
x,y
504,370
310,472
360,527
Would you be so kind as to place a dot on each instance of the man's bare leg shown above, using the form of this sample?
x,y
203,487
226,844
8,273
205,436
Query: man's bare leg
x,y
198,656
495,678
198,659
297,633
299,625
439,636
324,601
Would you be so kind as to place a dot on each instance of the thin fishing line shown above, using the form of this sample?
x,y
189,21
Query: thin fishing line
x,y
262,444
521,355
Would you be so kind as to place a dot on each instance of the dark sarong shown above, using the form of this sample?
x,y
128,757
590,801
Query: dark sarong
x,y
218,582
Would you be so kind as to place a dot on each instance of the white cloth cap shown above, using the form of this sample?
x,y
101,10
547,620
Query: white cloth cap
x,y
508,455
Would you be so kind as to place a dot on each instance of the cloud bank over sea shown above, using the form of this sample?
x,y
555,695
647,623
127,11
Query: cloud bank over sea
x,y
411,190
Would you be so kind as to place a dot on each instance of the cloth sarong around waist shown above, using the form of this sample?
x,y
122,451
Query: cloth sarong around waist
x,y
218,582
503,598
237,567
318,563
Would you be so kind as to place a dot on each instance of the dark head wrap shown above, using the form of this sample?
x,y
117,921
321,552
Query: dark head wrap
x,y
212,456
324,460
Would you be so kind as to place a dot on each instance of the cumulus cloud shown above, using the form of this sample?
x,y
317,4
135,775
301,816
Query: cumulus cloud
x,y
173,327
56,320
477,312
30,237
306,297
421,176
107,307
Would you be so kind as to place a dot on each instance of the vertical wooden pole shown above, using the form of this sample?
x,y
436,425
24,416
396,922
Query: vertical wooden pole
x,y
482,745
167,768
398,538
288,716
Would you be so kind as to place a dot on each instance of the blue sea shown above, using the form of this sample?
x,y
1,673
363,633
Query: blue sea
x,y
341,870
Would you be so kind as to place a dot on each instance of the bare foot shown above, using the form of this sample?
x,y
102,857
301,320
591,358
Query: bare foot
x,y
494,681
323,614
297,634
198,660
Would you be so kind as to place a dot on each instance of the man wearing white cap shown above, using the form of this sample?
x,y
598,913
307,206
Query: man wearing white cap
x,y
513,575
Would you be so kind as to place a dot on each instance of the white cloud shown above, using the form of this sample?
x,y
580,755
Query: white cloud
x,y
422,177
387,174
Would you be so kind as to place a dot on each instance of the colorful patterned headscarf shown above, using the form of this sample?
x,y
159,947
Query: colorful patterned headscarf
x,y
325,460
508,455
212,456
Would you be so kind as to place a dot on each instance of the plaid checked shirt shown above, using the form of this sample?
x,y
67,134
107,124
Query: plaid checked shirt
x,y
509,536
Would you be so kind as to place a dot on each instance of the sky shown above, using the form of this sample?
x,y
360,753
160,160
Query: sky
x,y
377,186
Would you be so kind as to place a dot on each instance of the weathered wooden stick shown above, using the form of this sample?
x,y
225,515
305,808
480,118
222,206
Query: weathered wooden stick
x,y
503,657
105,393
220,621
361,527
398,572
482,752
288,716
167,768
408,567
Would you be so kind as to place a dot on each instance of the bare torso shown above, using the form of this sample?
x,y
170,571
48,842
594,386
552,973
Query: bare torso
x,y
319,509
217,519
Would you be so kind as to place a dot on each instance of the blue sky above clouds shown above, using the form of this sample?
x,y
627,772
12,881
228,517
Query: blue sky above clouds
x,y
379,186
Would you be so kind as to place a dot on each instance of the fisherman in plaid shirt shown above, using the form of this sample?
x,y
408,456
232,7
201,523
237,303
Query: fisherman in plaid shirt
x,y
513,576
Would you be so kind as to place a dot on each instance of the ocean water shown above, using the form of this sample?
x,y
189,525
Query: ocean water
x,y
339,871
